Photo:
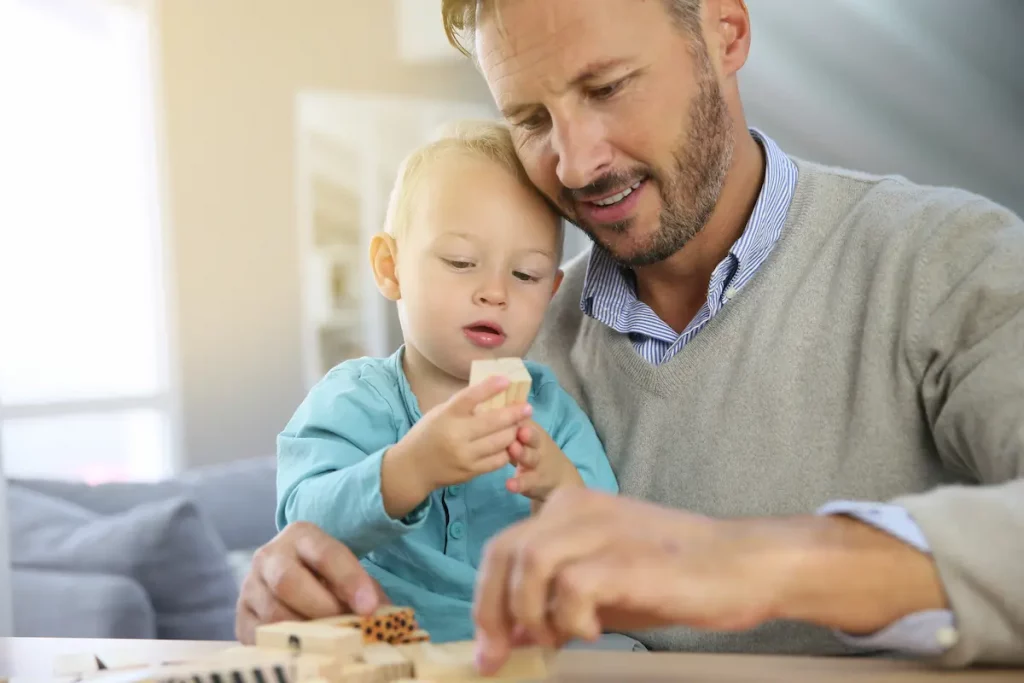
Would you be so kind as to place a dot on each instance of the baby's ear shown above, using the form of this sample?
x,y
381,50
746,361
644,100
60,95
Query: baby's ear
x,y
383,261
559,274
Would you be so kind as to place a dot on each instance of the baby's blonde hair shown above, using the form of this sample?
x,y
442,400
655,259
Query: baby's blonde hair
x,y
485,139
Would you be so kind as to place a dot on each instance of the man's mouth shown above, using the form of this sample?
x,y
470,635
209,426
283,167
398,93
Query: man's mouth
x,y
611,200
613,209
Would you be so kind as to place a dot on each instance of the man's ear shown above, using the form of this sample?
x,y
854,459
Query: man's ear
x,y
559,274
384,262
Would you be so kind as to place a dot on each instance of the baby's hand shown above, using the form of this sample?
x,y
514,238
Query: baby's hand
x,y
541,466
454,442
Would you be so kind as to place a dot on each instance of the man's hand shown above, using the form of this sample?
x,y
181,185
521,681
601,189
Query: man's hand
x,y
302,573
451,444
541,466
590,562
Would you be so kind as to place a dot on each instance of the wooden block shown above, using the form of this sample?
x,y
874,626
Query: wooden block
x,y
390,663
455,662
271,667
310,637
520,379
479,371
309,667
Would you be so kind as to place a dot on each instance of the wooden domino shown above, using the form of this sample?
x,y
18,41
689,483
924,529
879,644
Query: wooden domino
x,y
519,380
389,662
455,662
309,637
271,666
387,646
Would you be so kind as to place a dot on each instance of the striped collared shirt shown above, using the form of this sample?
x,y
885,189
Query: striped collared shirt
x,y
609,294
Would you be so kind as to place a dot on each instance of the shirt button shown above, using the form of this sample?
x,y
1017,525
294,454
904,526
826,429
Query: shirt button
x,y
731,292
456,530
947,636
454,490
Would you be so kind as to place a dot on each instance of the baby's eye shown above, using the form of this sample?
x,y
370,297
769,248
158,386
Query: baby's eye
x,y
457,264
525,277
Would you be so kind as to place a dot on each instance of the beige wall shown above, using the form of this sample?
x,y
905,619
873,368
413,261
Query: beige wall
x,y
231,69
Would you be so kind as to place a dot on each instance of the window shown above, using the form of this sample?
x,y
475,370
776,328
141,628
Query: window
x,y
84,376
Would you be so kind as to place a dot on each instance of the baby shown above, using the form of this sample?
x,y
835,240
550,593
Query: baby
x,y
389,455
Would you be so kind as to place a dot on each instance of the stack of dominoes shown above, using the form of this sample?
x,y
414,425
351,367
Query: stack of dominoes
x,y
385,647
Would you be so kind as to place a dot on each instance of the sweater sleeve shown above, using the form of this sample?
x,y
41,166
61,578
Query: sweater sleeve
x,y
966,348
329,464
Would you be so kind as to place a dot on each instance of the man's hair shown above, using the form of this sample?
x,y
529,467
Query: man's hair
x,y
483,139
460,19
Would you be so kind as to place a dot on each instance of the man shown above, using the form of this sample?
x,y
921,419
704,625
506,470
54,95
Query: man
x,y
809,381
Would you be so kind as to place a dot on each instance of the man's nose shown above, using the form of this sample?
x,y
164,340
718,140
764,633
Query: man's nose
x,y
581,149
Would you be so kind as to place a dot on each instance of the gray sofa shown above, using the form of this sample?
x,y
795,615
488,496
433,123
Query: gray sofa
x,y
161,560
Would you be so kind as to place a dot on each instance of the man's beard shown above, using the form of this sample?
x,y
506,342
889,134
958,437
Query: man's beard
x,y
689,191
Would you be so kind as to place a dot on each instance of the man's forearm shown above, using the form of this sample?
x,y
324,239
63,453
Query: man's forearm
x,y
844,574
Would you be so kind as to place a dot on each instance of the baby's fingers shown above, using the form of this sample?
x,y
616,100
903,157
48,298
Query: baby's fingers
x,y
499,420
495,444
528,483
491,463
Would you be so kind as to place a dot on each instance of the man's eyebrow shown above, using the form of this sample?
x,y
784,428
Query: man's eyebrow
x,y
590,72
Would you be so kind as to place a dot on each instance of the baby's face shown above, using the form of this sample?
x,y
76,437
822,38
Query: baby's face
x,y
477,264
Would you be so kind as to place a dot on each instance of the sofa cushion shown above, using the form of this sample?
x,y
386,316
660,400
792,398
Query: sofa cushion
x,y
70,604
165,545
238,498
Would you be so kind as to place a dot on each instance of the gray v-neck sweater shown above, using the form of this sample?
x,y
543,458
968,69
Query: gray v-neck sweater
x,y
877,355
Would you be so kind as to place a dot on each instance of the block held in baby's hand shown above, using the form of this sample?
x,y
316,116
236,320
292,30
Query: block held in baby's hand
x,y
514,369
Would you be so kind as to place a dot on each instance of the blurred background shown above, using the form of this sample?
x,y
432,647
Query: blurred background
x,y
187,188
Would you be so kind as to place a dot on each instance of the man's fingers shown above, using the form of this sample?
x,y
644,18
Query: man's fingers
x,y
256,606
289,582
539,558
465,401
343,578
490,606
573,609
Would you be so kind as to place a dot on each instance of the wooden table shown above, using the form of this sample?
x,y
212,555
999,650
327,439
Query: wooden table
x,y
31,659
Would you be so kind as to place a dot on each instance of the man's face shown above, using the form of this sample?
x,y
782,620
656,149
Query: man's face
x,y
617,116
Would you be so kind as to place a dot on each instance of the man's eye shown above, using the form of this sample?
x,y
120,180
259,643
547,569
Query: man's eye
x,y
533,122
606,91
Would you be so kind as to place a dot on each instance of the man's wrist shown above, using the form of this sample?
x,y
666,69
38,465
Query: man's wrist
x,y
843,574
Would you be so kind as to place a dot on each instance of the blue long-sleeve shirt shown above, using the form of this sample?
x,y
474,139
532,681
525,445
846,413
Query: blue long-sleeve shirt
x,y
329,464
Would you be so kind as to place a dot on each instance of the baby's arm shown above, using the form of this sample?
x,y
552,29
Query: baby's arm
x,y
575,435
329,463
